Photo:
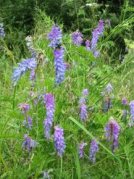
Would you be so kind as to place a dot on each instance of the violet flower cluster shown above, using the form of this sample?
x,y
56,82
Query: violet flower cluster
x,y
59,141
55,36
83,106
50,109
94,148
77,38
131,123
60,67
112,130
28,143
97,32
81,149
2,32
23,67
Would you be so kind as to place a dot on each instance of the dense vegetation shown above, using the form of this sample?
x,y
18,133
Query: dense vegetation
x,y
66,105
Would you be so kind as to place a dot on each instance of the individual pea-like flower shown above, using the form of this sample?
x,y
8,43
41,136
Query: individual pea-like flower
x,y
24,107
85,92
2,32
50,108
60,67
23,67
77,38
131,123
81,149
94,148
59,141
55,36
112,130
28,143
124,101
30,47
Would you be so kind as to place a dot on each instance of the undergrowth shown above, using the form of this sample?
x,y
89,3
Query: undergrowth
x,y
85,71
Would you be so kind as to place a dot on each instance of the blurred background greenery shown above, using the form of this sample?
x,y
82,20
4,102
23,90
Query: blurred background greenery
x,y
19,18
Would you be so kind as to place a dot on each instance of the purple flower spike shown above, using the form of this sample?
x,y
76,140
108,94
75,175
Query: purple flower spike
x,y
50,108
60,67
131,113
112,131
101,27
94,39
28,143
59,141
55,36
93,150
24,107
23,67
77,38
97,32
81,149
83,112
2,33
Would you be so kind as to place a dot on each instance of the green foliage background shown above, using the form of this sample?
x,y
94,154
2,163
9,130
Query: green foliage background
x,y
85,72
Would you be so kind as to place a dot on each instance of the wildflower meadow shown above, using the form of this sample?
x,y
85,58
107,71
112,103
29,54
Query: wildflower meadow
x,y
66,105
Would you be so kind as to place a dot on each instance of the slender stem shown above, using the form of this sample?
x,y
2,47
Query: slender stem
x,y
14,94
61,167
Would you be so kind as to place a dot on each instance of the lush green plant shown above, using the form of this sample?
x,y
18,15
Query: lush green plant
x,y
85,71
